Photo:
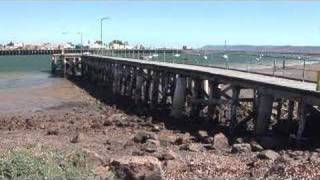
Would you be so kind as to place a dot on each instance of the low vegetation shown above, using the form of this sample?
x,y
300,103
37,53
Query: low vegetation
x,y
42,163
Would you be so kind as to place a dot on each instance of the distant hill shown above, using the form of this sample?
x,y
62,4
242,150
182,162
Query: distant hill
x,y
278,49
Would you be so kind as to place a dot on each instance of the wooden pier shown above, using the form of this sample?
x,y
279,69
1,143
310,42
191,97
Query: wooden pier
x,y
190,90
24,52
113,52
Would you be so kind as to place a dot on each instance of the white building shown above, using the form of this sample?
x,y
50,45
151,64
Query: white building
x,y
66,46
116,46
95,45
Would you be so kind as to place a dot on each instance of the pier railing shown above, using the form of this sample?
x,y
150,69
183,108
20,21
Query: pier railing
x,y
291,66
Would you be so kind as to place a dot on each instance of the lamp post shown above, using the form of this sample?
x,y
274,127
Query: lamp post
x,y
101,21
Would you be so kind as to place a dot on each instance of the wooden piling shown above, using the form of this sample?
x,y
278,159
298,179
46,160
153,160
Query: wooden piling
x,y
214,94
264,112
290,109
154,89
138,88
164,87
196,95
233,108
279,109
302,118
132,79
116,79
178,104
146,93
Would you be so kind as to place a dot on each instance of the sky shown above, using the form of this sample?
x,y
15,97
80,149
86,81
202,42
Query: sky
x,y
163,23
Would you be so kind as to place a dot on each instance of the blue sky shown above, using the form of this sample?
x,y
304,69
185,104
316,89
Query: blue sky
x,y
159,23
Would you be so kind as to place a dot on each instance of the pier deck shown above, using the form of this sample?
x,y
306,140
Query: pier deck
x,y
232,75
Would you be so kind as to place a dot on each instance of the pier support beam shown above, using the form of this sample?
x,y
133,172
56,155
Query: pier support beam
x,y
302,119
196,95
171,87
116,80
206,87
131,81
233,108
178,104
137,92
279,109
124,80
290,110
214,94
146,93
154,89
264,112
164,88
255,105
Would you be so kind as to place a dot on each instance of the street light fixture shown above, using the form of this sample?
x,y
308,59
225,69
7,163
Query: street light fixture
x,y
101,21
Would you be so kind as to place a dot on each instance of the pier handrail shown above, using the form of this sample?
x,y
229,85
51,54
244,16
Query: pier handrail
x,y
291,66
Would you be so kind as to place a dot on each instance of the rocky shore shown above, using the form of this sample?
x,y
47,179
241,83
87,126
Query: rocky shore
x,y
131,144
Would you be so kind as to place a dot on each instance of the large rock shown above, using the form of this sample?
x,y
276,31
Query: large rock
x,y
54,132
255,146
220,141
241,148
133,118
107,123
166,140
143,136
209,140
151,145
239,140
148,122
156,128
120,120
116,117
314,158
167,155
202,135
137,168
190,147
185,138
268,154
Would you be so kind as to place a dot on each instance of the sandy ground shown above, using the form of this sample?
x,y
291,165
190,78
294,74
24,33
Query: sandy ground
x,y
28,99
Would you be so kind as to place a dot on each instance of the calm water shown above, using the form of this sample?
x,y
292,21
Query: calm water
x,y
237,60
29,71
24,71
34,63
